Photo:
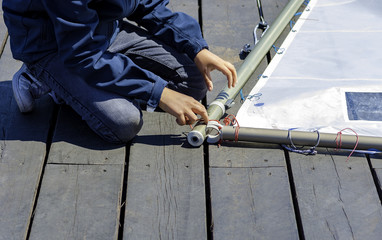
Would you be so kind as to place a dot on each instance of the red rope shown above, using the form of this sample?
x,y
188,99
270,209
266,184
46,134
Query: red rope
x,y
339,141
231,120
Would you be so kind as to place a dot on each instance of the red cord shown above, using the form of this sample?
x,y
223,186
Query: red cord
x,y
231,120
339,142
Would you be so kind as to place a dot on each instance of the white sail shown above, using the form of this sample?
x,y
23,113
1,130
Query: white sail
x,y
328,76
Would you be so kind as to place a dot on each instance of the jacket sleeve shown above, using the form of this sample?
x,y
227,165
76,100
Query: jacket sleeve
x,y
175,28
82,45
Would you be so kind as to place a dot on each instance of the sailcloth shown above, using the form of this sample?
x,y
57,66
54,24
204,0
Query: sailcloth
x,y
327,75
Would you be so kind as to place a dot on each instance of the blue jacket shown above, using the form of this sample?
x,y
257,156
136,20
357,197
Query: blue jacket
x,y
80,32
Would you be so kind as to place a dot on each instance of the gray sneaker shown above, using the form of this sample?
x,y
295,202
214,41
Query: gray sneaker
x,y
26,88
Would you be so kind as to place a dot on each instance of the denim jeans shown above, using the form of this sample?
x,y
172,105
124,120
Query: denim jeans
x,y
113,117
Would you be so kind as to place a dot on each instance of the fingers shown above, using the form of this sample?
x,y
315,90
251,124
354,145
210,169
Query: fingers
x,y
209,83
207,62
232,69
230,72
201,110
183,107
190,116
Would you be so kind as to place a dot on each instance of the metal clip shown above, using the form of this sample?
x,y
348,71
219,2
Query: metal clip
x,y
263,26
229,103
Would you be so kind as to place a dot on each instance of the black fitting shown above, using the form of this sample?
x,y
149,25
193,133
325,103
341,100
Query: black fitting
x,y
263,25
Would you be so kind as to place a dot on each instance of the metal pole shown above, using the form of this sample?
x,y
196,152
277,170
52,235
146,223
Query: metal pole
x,y
216,109
301,138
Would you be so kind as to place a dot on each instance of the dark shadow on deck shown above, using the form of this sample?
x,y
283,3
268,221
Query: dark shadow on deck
x,y
37,125
63,124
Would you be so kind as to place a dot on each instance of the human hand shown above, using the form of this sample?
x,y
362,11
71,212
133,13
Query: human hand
x,y
181,106
207,62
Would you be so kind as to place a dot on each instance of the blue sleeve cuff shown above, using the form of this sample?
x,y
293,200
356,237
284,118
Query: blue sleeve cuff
x,y
156,94
193,50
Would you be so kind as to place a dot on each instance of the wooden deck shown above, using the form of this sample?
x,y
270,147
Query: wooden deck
x,y
58,180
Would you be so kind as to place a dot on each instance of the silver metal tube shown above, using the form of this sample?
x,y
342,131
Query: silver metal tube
x,y
301,138
248,67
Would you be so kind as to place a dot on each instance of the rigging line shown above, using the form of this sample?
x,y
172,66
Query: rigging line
x,y
263,25
260,8
293,148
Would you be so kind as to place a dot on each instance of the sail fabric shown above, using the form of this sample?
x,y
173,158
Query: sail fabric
x,y
327,75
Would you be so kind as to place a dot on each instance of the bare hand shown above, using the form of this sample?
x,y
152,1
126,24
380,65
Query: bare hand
x,y
207,62
183,107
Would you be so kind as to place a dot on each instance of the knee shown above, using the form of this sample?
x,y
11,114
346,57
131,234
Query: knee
x,y
123,129
119,126
126,130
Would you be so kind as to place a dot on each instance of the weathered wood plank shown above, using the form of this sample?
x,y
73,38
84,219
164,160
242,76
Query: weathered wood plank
x,y
271,9
252,203
189,7
376,160
22,153
75,143
227,28
238,31
3,30
378,173
232,154
78,202
337,198
22,157
166,191
376,165
8,66
85,175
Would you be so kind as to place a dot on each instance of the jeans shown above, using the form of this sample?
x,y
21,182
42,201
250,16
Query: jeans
x,y
113,117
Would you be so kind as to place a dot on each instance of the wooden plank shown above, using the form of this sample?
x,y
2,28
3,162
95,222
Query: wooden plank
x,y
85,175
227,28
378,180
271,9
376,160
8,66
22,153
189,7
252,203
166,191
78,202
337,198
3,30
22,157
75,143
231,154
